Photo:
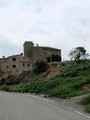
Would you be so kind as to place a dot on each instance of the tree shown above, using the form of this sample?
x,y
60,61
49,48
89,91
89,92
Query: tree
x,y
78,53
40,66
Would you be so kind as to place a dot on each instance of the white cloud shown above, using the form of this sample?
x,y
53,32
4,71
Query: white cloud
x,y
59,23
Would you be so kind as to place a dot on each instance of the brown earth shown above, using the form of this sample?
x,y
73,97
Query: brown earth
x,y
50,73
9,78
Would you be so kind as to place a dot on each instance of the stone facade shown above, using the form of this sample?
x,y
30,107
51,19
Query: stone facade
x,y
39,52
15,63
19,63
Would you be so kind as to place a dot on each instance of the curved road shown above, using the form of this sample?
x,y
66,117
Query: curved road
x,y
15,106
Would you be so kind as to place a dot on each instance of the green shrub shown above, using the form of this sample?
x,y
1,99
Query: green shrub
x,y
4,88
40,66
85,100
88,108
74,69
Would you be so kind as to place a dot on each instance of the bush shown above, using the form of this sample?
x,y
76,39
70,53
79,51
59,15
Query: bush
x,y
88,108
40,66
85,100
74,70
4,88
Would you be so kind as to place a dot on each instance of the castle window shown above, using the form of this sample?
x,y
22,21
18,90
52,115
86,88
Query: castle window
x,y
13,59
0,67
23,64
13,66
42,48
7,67
28,65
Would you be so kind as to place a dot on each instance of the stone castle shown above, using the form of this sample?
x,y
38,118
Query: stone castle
x,y
39,52
20,63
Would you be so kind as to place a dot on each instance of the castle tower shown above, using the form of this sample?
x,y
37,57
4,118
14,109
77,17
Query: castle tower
x,y
28,49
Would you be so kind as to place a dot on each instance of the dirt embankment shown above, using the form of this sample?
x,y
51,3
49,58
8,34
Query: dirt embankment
x,y
50,73
8,78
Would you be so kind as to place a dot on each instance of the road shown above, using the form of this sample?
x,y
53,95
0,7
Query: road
x,y
14,106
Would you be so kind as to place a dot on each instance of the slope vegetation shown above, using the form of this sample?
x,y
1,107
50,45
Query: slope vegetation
x,y
72,80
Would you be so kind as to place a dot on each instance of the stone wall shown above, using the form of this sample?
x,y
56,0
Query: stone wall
x,y
15,63
44,52
39,52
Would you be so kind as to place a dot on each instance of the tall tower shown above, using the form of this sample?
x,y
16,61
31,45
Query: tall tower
x,y
28,49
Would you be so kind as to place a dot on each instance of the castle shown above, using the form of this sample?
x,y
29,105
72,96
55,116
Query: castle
x,y
39,52
20,63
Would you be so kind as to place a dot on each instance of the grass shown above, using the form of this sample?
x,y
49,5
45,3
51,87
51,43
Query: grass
x,y
75,69
86,101
59,87
88,108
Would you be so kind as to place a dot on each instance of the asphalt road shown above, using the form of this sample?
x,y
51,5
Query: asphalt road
x,y
15,106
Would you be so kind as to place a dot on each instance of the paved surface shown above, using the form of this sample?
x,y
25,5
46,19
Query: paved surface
x,y
15,106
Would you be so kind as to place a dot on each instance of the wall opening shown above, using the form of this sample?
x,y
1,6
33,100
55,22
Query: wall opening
x,y
13,59
13,66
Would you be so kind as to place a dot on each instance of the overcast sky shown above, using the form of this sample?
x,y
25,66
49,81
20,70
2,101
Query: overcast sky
x,y
62,24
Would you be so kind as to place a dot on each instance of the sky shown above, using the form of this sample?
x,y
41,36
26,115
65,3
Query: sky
x,y
62,24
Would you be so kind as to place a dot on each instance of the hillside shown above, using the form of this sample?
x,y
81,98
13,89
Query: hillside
x,y
68,81
8,78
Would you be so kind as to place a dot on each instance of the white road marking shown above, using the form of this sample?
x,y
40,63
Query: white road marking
x,y
49,101
82,114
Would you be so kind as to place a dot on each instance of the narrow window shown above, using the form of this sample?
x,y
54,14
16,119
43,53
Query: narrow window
x,y
23,64
28,65
13,59
13,66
